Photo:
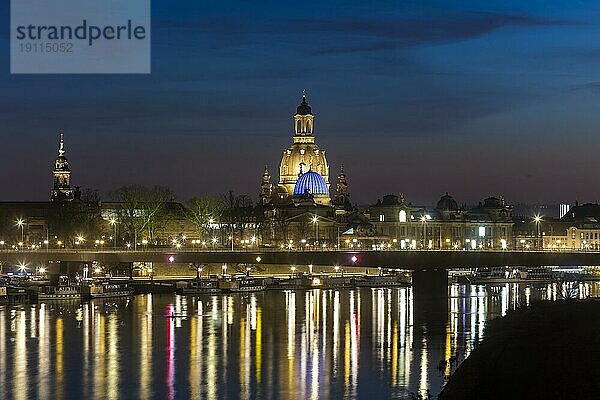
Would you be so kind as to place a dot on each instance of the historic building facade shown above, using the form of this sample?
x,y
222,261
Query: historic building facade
x,y
577,229
398,224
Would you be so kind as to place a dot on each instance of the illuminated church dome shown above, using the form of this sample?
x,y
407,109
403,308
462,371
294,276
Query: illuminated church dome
x,y
304,154
311,183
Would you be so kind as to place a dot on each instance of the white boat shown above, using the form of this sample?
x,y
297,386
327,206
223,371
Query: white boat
x,y
61,292
244,285
203,286
105,289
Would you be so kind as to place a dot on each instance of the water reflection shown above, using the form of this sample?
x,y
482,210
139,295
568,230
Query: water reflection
x,y
289,345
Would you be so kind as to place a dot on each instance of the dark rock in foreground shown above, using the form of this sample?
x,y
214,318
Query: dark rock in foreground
x,y
547,351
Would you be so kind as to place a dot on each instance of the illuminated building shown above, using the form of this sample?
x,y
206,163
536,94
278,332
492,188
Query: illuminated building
x,y
304,170
299,208
62,190
447,226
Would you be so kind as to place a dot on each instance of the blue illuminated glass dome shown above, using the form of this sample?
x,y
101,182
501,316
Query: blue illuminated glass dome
x,y
312,183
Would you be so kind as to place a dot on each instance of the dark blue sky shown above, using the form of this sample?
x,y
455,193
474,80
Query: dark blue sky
x,y
473,98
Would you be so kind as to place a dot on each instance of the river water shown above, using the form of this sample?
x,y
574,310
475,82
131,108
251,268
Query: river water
x,y
319,344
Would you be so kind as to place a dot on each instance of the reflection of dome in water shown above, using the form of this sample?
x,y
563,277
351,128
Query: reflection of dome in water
x,y
312,183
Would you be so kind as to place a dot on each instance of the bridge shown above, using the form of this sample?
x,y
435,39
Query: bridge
x,y
403,259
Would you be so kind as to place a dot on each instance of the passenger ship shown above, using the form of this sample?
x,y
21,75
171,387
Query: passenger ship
x,y
106,289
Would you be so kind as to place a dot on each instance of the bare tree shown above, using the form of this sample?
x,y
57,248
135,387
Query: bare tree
x,y
238,212
80,217
204,211
143,210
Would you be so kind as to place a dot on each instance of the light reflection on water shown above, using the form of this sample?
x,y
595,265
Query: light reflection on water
x,y
367,343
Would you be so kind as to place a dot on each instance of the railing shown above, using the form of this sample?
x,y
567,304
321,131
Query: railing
x,y
286,250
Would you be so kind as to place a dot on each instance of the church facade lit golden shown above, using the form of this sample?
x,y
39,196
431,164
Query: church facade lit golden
x,y
304,170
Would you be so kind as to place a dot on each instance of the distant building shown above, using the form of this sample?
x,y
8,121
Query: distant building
x,y
577,229
563,209
447,226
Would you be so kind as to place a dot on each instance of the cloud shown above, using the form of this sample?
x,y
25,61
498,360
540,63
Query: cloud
x,y
593,87
355,34
390,33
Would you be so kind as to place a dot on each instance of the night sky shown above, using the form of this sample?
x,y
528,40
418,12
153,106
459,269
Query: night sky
x,y
473,98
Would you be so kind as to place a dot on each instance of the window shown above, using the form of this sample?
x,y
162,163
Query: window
x,y
381,217
402,216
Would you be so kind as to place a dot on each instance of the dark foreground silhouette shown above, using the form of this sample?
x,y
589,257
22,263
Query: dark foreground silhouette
x,y
546,351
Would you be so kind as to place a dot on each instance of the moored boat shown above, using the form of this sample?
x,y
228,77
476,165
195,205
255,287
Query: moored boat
x,y
105,290
60,292
245,284
378,281
333,282
201,286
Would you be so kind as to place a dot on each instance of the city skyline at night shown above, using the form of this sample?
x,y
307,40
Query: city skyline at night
x,y
474,99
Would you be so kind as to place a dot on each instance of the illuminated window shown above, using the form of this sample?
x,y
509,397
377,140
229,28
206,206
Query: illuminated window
x,y
381,217
481,231
402,216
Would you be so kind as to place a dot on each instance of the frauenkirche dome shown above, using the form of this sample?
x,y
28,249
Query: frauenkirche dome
x,y
303,155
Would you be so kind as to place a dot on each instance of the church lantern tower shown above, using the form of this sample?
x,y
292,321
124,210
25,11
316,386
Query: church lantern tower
x,y
61,190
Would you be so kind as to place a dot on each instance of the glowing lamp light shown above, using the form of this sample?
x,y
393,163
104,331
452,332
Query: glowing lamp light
x,y
354,259
171,259
258,259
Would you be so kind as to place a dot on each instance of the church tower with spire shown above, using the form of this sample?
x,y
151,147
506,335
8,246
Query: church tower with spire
x,y
62,190
342,197
266,187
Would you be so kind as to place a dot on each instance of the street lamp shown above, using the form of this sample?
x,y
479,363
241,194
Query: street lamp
x,y
22,267
113,222
315,221
21,224
424,221
537,219
79,240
